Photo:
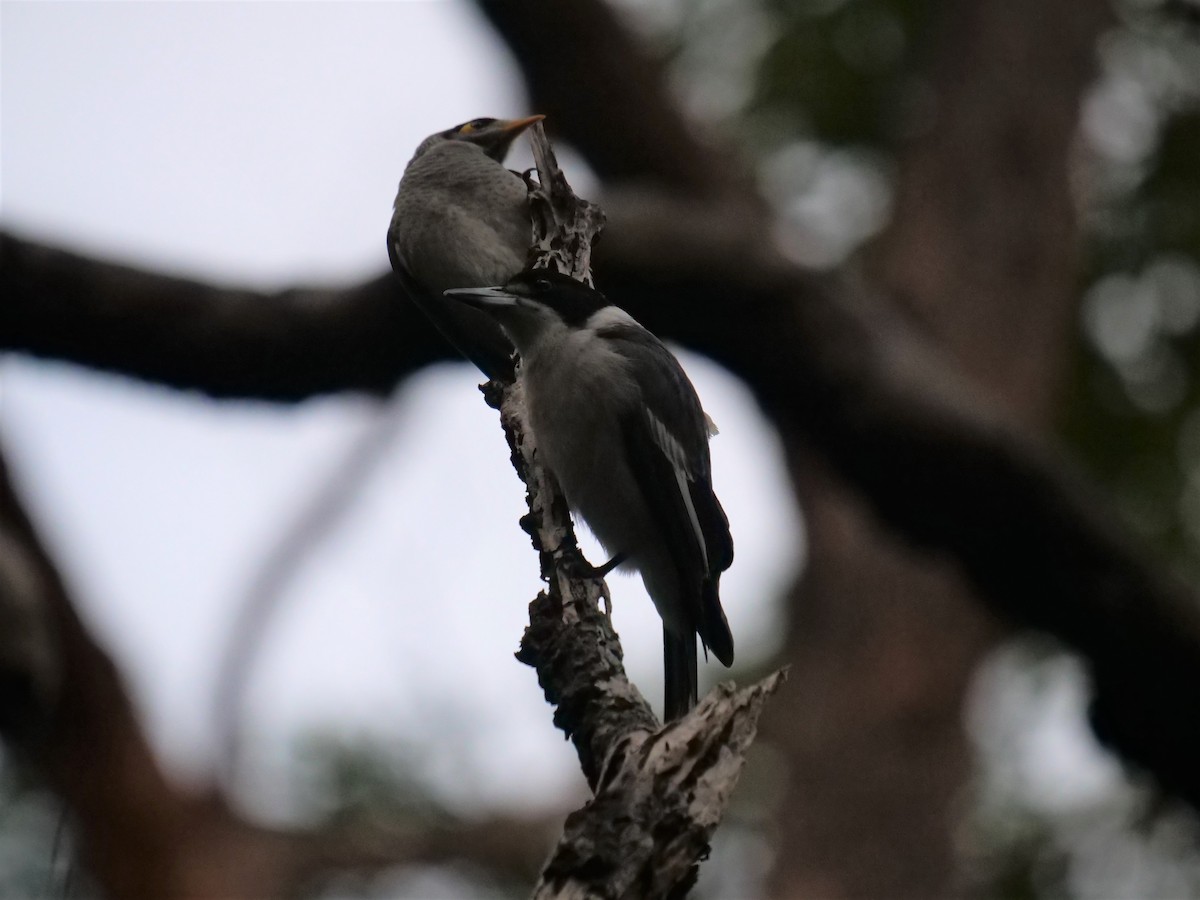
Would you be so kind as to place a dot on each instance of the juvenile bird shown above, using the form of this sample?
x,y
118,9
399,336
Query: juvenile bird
x,y
618,423
462,220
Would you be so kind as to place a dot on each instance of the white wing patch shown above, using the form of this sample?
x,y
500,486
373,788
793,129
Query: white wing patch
x,y
673,451
710,426
609,316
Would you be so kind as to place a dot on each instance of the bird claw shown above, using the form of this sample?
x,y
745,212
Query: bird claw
x,y
578,567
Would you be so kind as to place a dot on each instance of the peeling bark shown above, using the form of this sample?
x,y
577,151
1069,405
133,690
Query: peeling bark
x,y
659,793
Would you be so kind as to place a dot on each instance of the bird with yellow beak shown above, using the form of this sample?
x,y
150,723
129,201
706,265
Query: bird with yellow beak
x,y
461,220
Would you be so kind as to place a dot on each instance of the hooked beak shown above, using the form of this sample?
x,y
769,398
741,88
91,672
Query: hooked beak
x,y
516,126
486,298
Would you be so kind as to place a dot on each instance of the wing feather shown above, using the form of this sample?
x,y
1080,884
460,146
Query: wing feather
x,y
667,441
472,333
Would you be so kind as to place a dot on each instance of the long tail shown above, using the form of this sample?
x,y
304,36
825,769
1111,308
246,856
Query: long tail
x,y
714,627
679,668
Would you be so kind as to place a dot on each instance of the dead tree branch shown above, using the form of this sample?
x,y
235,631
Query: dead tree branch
x,y
658,802
659,793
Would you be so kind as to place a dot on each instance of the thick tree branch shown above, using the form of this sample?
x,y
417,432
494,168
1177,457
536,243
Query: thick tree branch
x,y
984,246
225,342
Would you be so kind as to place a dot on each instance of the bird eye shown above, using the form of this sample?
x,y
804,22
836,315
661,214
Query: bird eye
x,y
473,126
541,285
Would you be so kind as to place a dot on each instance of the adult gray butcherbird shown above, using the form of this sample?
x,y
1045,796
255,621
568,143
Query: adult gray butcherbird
x,y
619,425
462,220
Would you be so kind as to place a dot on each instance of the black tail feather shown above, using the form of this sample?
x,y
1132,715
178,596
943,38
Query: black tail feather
x,y
714,627
679,668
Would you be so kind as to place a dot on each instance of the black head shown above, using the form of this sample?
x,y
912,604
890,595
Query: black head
x,y
493,136
536,305
573,300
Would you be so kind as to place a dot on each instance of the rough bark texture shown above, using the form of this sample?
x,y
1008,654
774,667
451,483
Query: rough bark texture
x,y
659,793
659,799
564,225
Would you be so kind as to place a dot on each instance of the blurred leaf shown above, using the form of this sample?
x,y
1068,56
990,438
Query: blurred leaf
x,y
1172,190
838,67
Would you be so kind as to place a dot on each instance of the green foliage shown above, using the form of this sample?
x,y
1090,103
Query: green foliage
x,y
1134,405
839,70
1171,193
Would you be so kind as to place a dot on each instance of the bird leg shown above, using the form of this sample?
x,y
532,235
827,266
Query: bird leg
x,y
580,567
617,559
577,566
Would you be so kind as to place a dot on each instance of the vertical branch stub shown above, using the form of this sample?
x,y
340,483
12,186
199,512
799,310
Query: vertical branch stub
x,y
564,225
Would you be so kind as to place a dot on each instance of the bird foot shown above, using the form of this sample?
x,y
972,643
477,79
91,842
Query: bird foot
x,y
578,567
581,568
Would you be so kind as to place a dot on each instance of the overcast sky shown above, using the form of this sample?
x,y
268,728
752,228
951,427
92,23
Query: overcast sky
x,y
261,144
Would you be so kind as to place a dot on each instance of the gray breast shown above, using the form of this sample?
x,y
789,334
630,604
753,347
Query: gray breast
x,y
460,219
574,409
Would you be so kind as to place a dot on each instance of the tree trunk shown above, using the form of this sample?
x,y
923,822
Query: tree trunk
x,y
884,638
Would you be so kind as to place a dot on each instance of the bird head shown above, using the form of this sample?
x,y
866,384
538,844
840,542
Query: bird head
x,y
535,303
493,136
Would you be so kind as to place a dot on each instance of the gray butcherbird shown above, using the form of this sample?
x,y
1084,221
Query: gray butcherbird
x,y
619,425
462,220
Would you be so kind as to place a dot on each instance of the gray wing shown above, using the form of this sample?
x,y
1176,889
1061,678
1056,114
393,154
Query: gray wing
x,y
472,333
667,442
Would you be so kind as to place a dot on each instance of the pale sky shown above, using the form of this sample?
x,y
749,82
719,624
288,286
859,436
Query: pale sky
x,y
261,144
